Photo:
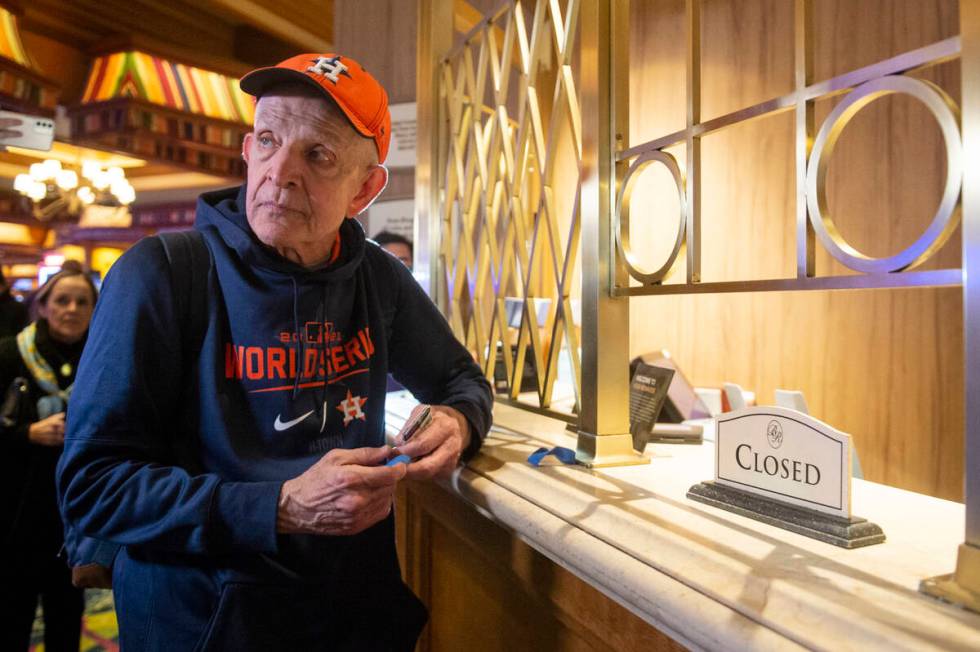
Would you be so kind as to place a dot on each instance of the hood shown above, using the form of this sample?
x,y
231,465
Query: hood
x,y
223,211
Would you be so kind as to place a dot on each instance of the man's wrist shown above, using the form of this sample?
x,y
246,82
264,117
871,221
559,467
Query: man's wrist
x,y
464,428
285,524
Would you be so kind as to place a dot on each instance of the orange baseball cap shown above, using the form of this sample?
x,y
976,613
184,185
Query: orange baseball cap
x,y
353,89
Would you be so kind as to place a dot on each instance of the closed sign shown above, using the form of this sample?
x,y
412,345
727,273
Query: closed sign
x,y
787,456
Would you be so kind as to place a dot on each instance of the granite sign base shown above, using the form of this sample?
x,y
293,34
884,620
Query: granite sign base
x,y
847,533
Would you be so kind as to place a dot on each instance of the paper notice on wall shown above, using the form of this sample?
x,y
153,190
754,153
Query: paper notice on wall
x,y
401,152
396,216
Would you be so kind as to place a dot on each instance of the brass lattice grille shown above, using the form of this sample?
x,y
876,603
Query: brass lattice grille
x,y
510,211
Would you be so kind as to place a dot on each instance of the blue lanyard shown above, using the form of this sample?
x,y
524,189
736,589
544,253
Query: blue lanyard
x,y
564,455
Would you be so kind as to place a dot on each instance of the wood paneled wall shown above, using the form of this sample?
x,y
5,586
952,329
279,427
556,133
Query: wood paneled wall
x,y
883,365
381,35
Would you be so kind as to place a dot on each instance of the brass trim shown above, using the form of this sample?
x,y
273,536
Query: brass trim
x,y
927,278
924,57
604,438
435,35
623,206
813,222
963,586
693,142
595,451
570,419
970,84
946,218
803,74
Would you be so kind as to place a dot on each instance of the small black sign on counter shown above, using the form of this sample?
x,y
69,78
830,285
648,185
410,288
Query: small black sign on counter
x,y
648,390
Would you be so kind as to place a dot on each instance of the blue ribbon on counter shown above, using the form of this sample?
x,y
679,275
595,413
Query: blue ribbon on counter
x,y
564,455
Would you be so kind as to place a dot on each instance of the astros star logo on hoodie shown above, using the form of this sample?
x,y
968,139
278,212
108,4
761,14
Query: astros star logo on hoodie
x,y
351,408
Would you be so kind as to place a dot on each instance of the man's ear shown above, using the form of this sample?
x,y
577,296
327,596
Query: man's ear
x,y
374,182
247,145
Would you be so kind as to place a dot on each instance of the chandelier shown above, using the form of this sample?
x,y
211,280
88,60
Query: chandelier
x,y
57,192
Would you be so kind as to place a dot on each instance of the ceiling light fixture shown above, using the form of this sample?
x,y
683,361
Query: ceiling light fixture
x,y
58,193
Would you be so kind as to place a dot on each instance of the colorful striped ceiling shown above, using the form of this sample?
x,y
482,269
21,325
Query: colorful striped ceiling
x,y
173,85
10,45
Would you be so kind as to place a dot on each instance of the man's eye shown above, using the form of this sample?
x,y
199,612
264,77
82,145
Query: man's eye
x,y
265,141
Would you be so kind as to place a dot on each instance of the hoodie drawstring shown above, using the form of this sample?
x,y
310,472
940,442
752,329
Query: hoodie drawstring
x,y
324,350
298,343
321,403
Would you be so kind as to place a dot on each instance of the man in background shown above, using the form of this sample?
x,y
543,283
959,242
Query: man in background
x,y
397,245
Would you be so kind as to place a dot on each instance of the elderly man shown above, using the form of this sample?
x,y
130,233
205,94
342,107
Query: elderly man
x,y
243,468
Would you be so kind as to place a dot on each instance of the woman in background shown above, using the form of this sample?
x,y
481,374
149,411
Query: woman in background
x,y
40,362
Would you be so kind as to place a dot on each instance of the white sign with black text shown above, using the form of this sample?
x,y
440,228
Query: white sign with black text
x,y
786,456
402,151
395,216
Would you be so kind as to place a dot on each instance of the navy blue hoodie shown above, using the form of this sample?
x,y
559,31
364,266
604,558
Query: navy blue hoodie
x,y
180,458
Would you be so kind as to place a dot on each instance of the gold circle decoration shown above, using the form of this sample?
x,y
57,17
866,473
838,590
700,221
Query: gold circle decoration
x,y
947,216
622,226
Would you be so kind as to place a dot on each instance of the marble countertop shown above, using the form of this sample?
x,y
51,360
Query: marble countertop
x,y
709,578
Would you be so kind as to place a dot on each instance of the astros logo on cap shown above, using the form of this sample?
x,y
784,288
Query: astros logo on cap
x,y
343,80
329,67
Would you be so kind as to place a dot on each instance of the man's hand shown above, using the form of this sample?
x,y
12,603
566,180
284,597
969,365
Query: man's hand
x,y
91,576
49,431
345,492
436,449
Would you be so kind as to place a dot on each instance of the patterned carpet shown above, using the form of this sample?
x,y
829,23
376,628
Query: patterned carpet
x,y
100,633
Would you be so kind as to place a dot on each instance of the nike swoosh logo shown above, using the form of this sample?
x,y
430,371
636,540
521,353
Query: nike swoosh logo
x,y
281,425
